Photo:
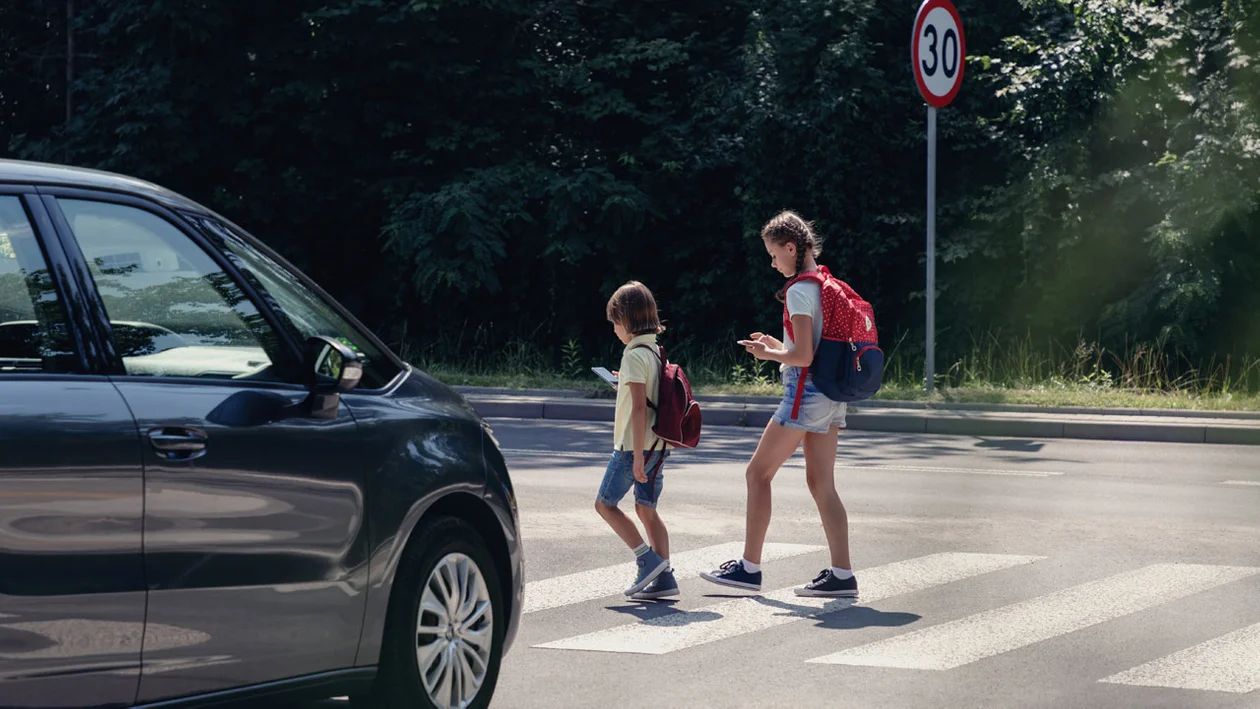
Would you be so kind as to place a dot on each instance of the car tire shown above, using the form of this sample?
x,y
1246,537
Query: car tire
x,y
446,555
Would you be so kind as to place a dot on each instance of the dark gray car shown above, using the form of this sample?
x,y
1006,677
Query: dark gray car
x,y
215,484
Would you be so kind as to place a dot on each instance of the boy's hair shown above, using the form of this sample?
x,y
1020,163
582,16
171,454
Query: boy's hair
x,y
634,307
788,227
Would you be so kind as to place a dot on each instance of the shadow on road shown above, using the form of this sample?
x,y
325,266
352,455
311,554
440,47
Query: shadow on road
x,y
647,610
1012,445
853,617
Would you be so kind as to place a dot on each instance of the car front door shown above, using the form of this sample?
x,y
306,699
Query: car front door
x,y
255,540
72,592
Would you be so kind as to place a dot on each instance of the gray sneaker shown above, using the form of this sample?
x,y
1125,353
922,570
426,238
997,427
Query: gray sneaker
x,y
651,565
664,585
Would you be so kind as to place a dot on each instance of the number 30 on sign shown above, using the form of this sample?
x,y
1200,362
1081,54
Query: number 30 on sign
x,y
938,50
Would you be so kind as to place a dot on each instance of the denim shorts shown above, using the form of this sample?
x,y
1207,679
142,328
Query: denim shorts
x,y
817,413
620,476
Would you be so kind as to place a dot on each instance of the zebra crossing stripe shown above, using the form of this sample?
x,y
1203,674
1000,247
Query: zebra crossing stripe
x,y
1019,625
678,631
612,580
1230,663
956,471
685,458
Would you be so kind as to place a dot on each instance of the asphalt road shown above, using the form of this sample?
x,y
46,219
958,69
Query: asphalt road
x,y
994,572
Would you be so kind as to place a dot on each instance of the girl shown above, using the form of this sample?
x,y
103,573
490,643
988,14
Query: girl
x,y
793,248
638,454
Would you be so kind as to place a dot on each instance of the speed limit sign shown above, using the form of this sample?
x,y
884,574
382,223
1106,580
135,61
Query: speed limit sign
x,y
938,51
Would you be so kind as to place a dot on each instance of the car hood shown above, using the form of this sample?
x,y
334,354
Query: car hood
x,y
434,394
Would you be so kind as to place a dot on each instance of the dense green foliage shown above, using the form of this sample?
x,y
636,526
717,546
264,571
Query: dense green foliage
x,y
464,174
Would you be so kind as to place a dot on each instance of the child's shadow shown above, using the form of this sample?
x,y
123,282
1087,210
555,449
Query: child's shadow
x,y
663,612
854,616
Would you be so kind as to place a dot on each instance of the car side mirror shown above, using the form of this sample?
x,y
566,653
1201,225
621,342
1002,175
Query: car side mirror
x,y
331,369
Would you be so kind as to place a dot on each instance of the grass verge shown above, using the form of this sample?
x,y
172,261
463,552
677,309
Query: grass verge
x,y
1048,394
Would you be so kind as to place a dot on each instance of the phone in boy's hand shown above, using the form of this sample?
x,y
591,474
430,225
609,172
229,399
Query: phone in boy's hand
x,y
605,375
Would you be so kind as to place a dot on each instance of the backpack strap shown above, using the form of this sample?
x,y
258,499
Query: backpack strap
x,y
654,350
800,388
658,352
660,461
821,276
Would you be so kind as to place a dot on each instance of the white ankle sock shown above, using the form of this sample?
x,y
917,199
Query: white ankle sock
x,y
841,574
749,566
641,550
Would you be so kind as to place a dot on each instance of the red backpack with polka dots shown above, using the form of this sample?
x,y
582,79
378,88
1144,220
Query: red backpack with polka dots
x,y
849,365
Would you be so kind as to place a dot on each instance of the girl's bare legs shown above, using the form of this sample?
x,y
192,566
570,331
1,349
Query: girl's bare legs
x,y
776,446
820,474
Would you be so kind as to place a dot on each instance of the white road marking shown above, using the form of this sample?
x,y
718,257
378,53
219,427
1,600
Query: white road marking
x,y
961,471
1230,663
686,457
1018,625
728,619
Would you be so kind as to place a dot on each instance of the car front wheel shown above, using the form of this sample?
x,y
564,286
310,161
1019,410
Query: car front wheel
x,y
446,623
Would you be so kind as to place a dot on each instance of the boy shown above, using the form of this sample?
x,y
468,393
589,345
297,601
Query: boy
x,y
638,455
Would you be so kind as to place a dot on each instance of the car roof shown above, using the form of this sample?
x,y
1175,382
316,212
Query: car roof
x,y
37,173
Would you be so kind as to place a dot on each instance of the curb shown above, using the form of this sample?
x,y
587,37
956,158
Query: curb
x,y
905,420
1242,416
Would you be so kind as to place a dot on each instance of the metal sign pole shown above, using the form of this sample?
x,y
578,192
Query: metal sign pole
x,y
931,250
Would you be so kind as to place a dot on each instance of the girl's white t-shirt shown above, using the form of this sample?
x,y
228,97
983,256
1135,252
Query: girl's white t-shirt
x,y
804,298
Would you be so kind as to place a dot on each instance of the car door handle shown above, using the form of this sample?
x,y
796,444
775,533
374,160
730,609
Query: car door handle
x,y
178,443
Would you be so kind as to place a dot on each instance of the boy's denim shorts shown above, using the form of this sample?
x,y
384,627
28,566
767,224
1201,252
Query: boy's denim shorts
x,y
619,477
817,414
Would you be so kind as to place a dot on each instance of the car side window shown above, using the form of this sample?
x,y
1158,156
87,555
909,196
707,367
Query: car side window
x,y
301,308
173,310
34,329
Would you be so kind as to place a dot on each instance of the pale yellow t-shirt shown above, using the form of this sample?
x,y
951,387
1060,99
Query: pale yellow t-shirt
x,y
638,364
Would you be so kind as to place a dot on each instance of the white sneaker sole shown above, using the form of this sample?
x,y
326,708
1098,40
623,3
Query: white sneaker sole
x,y
647,580
645,596
730,584
807,593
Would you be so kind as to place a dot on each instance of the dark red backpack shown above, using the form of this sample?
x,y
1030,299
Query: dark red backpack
x,y
849,365
677,413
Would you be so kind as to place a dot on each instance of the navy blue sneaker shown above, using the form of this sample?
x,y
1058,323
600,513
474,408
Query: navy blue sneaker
x,y
732,574
826,585
664,585
650,566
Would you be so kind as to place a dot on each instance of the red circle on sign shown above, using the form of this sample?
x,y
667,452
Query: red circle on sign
x,y
932,99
